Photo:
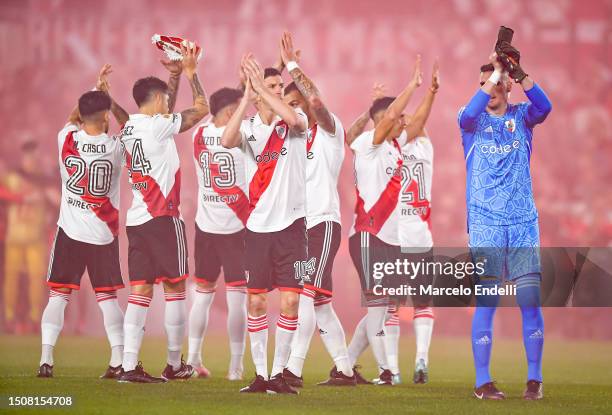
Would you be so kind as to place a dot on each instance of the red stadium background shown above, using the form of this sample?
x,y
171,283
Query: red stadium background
x,y
51,51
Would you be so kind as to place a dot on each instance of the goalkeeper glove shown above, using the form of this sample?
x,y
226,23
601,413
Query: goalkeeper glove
x,y
510,58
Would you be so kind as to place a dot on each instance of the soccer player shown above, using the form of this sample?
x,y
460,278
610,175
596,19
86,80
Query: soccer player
x,y
156,233
86,238
375,236
223,209
501,215
414,234
325,152
275,140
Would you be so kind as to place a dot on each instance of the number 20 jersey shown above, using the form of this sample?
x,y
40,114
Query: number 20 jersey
x,y
223,204
153,166
90,168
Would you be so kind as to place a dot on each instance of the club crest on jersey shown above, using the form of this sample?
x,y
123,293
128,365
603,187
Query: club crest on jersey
x,y
281,131
510,125
309,136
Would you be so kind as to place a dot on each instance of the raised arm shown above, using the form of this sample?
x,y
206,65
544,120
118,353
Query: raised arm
x,y
191,116
478,104
255,75
394,112
359,125
103,84
231,136
417,122
74,117
307,88
174,68
540,106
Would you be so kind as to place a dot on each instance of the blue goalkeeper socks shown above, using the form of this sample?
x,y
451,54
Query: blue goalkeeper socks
x,y
528,298
482,341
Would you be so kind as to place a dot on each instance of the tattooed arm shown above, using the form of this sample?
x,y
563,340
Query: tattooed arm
x,y
359,125
307,88
175,68
191,116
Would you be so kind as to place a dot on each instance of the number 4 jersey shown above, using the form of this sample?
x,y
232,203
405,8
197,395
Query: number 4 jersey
x,y
223,205
90,167
153,166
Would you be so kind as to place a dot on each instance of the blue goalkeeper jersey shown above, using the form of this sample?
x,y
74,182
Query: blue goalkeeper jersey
x,y
497,151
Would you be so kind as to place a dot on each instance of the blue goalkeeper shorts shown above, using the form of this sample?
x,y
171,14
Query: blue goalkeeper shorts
x,y
509,251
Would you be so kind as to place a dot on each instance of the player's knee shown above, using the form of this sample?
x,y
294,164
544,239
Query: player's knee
x,y
63,290
289,303
257,304
207,285
144,290
174,287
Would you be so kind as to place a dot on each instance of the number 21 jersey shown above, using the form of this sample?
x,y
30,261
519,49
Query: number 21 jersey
x,y
90,168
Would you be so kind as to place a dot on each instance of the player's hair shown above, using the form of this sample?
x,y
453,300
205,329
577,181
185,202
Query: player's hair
x,y
271,72
93,102
223,98
145,87
487,67
380,104
290,88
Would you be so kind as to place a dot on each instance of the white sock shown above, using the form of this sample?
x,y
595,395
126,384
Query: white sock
x,y
113,324
258,334
285,329
359,342
174,321
198,321
423,328
236,325
133,329
52,323
392,336
332,335
303,334
375,323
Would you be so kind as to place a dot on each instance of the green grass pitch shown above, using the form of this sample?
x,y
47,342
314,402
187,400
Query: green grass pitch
x,y
578,379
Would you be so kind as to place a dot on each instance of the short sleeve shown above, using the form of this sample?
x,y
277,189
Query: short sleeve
x,y
364,146
166,126
61,136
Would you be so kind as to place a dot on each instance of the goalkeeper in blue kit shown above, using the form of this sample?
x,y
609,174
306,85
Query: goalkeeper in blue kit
x,y
501,213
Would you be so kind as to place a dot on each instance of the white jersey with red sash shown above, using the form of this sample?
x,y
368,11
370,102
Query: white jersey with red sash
x,y
153,166
90,168
223,205
415,198
378,184
277,187
325,153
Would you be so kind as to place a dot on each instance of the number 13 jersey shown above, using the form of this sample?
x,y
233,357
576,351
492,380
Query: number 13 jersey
x,y
153,166
223,204
90,168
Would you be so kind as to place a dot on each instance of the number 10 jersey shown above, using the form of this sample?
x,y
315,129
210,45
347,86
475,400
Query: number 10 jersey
x,y
90,167
223,205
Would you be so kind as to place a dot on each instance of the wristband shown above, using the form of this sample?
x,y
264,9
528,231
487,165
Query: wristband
x,y
495,76
291,65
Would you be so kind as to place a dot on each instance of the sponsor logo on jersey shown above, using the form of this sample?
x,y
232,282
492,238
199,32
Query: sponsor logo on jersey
x,y
268,156
500,149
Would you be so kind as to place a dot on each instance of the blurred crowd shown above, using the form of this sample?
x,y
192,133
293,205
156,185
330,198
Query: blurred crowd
x,y
51,51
